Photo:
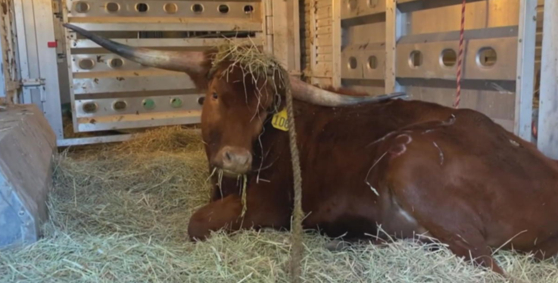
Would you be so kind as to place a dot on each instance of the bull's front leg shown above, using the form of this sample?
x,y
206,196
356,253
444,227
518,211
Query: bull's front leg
x,y
265,208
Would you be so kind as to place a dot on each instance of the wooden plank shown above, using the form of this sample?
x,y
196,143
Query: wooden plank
x,y
323,23
324,30
323,41
324,49
324,58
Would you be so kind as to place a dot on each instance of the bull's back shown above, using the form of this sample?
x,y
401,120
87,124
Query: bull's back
x,y
507,185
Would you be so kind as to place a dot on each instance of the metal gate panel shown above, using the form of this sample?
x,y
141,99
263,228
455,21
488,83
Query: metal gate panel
x,y
412,46
110,92
363,59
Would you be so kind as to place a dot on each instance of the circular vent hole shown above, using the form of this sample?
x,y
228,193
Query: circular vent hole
x,y
487,57
142,7
201,100
352,63
170,8
89,107
449,57
352,4
116,63
223,9
86,64
112,7
373,3
148,103
248,9
415,59
119,105
81,7
176,102
197,8
372,62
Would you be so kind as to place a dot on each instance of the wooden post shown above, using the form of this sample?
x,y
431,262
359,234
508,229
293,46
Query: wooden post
x,y
548,104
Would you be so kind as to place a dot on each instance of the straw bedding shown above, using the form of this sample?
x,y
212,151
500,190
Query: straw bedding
x,y
119,213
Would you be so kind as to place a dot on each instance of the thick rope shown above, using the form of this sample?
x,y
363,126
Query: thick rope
x,y
460,56
296,228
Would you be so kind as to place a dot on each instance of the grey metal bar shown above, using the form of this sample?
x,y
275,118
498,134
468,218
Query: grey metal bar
x,y
525,68
548,110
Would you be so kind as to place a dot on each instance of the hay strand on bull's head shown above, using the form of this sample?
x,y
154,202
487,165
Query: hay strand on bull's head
x,y
248,57
265,73
261,67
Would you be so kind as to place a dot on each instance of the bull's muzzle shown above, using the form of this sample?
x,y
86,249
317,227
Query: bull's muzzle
x,y
233,160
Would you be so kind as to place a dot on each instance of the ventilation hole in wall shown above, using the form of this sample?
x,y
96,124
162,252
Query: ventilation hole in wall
x,y
197,8
201,100
170,8
116,63
112,7
86,64
89,107
142,7
223,9
487,56
352,63
352,4
372,62
248,9
148,103
81,7
415,59
449,57
119,105
373,3
176,102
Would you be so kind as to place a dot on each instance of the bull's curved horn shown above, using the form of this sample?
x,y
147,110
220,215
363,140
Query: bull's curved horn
x,y
318,96
182,61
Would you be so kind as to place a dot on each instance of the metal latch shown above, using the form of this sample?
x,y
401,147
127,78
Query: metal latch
x,y
32,82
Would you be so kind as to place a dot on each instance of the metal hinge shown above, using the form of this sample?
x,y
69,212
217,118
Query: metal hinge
x,y
32,82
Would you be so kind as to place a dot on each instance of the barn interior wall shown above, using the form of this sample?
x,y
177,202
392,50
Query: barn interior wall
x,y
363,35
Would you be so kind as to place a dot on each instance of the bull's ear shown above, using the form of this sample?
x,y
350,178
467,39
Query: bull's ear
x,y
195,63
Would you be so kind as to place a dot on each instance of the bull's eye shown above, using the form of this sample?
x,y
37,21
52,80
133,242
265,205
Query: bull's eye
x,y
215,95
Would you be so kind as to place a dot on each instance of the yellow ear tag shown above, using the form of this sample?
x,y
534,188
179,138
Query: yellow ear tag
x,y
279,120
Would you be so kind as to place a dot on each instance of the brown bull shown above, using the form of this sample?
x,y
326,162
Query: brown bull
x,y
409,166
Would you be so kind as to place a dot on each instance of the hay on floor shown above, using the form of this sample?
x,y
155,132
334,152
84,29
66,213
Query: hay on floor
x,y
120,214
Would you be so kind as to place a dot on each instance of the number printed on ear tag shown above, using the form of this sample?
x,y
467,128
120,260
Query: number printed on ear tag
x,y
279,120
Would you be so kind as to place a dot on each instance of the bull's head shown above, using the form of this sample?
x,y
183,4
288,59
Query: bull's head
x,y
232,114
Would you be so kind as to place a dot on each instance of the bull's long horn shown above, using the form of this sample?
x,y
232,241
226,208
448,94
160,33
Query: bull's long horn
x,y
182,61
318,96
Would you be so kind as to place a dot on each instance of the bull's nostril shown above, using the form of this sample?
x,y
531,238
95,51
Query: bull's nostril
x,y
228,156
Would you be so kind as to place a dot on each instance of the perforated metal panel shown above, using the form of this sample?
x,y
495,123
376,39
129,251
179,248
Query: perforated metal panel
x,y
110,92
412,46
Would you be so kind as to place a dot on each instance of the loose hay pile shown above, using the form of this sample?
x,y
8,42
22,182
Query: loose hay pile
x,y
120,214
